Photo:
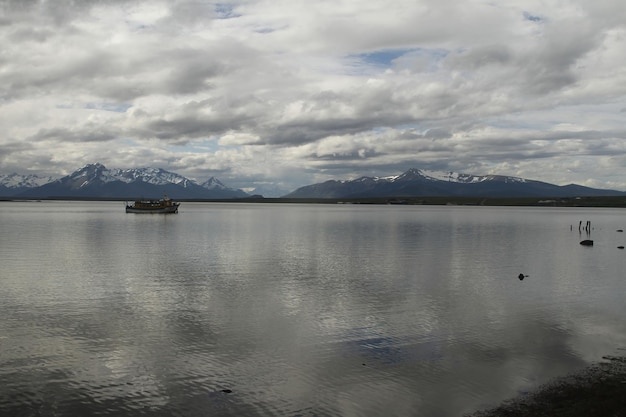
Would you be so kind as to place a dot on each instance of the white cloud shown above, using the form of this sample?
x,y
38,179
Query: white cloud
x,y
275,91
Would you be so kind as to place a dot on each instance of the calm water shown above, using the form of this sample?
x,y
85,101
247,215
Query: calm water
x,y
325,310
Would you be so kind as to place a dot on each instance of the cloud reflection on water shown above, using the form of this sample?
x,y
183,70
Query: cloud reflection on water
x,y
298,309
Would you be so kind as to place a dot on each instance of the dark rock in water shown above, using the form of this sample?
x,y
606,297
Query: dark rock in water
x,y
619,230
620,247
227,391
587,242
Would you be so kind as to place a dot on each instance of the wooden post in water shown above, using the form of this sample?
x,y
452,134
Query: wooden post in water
x,y
587,226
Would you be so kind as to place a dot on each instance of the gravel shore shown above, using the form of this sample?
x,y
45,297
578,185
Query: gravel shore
x,y
597,391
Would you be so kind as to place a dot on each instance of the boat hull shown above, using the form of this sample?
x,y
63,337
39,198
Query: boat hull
x,y
159,210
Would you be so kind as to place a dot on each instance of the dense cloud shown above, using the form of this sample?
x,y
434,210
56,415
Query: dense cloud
x,y
293,92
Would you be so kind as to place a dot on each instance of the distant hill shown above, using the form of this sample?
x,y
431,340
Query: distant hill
x,y
97,181
422,183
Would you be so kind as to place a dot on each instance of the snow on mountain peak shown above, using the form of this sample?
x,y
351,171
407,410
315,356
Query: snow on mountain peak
x,y
451,176
23,181
155,176
98,180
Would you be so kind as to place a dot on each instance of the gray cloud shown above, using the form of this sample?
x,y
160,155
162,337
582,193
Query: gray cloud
x,y
256,89
89,133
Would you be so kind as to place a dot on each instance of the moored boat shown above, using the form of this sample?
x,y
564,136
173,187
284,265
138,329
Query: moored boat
x,y
164,206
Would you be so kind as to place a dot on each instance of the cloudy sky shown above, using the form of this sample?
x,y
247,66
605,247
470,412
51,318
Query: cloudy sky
x,y
292,92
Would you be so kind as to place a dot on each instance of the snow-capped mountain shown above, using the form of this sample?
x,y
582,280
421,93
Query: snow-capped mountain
x,y
14,184
213,184
97,181
424,183
450,176
156,176
27,181
91,173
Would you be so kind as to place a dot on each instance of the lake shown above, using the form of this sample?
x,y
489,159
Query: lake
x,y
237,309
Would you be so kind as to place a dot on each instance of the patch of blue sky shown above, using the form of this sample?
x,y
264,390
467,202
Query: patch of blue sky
x,y
225,11
532,18
399,57
114,107
383,58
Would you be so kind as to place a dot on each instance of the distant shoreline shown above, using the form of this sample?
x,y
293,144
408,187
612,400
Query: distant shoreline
x,y
604,201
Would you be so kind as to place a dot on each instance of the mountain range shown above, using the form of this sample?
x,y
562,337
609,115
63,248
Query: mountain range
x,y
14,184
424,183
97,181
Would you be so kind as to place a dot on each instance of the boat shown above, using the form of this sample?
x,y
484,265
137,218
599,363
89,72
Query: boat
x,y
164,206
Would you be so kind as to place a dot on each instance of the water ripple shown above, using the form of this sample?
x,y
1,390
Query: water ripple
x,y
283,310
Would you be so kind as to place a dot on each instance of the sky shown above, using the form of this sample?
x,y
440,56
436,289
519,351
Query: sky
x,y
286,93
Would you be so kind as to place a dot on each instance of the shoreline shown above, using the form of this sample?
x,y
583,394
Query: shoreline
x,y
585,202
598,390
